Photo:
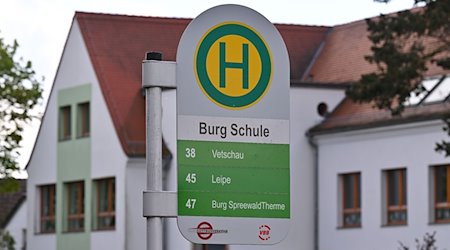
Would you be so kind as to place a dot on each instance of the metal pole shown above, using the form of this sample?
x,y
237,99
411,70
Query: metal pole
x,y
154,158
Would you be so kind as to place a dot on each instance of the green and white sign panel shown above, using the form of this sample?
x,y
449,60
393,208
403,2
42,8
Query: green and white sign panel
x,y
233,129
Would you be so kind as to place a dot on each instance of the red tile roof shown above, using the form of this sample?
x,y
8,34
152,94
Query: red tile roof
x,y
302,43
117,44
350,116
342,57
341,60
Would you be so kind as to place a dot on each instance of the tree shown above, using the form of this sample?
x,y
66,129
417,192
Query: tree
x,y
20,91
404,46
7,242
428,243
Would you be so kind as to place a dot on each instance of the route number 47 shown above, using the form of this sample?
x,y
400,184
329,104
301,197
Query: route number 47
x,y
190,203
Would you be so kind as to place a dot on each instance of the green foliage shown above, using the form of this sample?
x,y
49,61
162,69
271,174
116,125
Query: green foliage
x,y
444,146
428,243
8,185
399,52
20,91
7,242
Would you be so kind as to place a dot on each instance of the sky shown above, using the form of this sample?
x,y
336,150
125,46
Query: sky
x,y
41,27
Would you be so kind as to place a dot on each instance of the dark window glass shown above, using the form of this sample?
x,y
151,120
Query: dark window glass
x,y
83,120
351,188
442,193
441,184
396,196
65,121
348,191
106,205
76,206
48,200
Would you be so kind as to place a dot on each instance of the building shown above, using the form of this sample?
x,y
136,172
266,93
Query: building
x,y
13,207
379,178
87,170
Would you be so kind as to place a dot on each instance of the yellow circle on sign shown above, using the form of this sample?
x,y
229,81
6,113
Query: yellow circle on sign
x,y
233,65
233,46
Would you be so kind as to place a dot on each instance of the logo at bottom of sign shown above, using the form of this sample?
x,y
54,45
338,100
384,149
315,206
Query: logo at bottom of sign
x,y
205,230
264,232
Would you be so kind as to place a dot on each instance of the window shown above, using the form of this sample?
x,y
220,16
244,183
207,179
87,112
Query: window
x,y
65,131
105,205
435,89
83,120
428,85
351,199
442,193
47,214
75,206
396,196
440,92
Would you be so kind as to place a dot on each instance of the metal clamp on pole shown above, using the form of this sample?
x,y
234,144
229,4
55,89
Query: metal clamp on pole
x,y
158,73
160,204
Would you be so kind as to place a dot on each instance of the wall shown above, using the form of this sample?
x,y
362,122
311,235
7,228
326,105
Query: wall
x,y
102,157
73,159
370,152
17,225
107,160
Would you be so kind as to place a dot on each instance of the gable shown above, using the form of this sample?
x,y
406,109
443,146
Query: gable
x,y
117,45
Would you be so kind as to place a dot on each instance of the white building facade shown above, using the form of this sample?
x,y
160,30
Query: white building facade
x,y
373,154
87,171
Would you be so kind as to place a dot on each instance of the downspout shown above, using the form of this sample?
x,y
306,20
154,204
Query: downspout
x,y
315,149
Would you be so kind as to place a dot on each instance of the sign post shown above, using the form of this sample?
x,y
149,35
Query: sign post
x,y
233,129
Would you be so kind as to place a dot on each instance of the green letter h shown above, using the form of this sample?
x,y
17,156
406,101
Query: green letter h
x,y
234,65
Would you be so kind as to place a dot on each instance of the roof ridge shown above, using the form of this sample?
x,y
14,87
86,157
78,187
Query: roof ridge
x,y
127,16
359,21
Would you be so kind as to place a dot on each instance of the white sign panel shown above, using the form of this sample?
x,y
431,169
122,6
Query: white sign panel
x,y
233,129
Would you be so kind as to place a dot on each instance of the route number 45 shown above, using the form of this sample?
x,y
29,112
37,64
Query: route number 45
x,y
191,178
190,203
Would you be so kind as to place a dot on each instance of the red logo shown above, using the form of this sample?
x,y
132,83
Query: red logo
x,y
205,230
264,232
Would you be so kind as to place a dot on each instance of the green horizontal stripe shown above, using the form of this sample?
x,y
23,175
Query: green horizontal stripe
x,y
233,204
233,179
233,154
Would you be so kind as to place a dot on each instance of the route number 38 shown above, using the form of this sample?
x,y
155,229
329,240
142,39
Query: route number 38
x,y
190,152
